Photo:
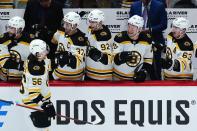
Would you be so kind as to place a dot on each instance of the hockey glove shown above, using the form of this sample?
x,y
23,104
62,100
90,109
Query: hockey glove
x,y
166,63
49,109
139,74
72,61
123,57
177,66
157,47
39,31
104,59
63,58
94,54
126,56
11,64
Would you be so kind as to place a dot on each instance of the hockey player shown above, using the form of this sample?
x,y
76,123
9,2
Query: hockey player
x,y
34,89
99,58
71,50
132,51
179,51
14,49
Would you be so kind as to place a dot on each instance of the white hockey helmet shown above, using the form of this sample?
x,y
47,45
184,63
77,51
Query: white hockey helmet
x,y
181,23
96,15
136,21
38,46
72,18
16,22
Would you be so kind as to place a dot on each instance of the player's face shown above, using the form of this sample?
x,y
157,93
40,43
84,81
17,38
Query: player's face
x,y
67,27
14,31
93,25
11,30
132,30
41,56
177,32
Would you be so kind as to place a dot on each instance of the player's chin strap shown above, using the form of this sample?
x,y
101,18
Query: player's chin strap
x,y
36,109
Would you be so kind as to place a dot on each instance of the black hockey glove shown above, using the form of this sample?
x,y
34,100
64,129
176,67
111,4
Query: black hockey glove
x,y
49,109
166,63
177,66
123,57
126,56
62,58
139,73
11,64
158,47
104,59
94,54
72,61
39,31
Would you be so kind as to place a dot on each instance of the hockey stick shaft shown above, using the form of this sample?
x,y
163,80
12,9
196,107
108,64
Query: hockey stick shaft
x,y
36,109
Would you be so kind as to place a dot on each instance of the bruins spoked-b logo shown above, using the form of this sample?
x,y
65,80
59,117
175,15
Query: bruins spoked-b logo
x,y
36,68
135,60
15,55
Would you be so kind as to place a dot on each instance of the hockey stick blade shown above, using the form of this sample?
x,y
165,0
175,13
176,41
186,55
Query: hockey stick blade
x,y
36,109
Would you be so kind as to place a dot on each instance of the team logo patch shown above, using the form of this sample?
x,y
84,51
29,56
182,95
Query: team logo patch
x,y
187,43
103,33
36,68
80,38
135,60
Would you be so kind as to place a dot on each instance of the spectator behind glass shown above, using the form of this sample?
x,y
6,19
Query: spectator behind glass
x,y
155,17
43,18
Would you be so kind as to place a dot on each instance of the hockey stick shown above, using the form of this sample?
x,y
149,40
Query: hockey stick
x,y
36,109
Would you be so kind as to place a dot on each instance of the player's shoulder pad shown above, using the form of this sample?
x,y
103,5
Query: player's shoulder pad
x,y
121,37
145,37
4,37
79,39
187,42
104,34
26,37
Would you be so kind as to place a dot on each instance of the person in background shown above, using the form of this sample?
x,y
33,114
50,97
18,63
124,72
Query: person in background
x,y
14,49
71,50
180,50
43,18
127,3
132,51
99,57
155,22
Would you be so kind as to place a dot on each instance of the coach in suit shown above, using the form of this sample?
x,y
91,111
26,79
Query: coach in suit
x,y
155,22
